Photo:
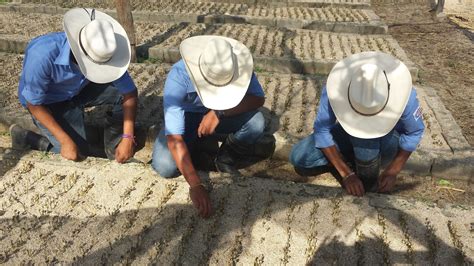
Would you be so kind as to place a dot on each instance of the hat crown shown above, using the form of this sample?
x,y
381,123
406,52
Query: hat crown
x,y
368,90
217,62
98,40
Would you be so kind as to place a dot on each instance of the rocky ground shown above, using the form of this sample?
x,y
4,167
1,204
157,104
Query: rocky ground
x,y
97,211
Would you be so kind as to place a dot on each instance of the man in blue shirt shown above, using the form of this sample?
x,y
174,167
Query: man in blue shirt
x,y
67,71
369,116
211,90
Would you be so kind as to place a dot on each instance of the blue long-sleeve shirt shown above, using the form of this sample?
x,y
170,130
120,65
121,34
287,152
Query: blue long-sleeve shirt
x,y
49,76
180,96
410,125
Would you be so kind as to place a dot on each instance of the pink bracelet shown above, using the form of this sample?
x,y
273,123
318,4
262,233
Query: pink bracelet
x,y
128,136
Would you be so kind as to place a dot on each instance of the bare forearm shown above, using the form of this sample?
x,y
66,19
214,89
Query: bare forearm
x,y
335,157
129,106
248,103
398,162
181,156
43,115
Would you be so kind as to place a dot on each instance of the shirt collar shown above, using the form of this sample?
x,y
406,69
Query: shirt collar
x,y
64,57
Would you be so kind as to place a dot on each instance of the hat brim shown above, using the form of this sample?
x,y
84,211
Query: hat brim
x,y
217,97
74,20
380,124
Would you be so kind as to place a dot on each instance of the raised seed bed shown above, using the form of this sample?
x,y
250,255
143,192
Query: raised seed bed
x,y
333,19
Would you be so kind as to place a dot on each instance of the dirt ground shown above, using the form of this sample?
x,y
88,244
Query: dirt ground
x,y
426,189
443,52
95,212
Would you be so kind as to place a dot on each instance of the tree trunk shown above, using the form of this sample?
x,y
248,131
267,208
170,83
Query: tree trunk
x,y
439,6
124,15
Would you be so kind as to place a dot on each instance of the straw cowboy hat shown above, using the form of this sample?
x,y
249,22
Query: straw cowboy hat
x,y
368,93
220,69
99,44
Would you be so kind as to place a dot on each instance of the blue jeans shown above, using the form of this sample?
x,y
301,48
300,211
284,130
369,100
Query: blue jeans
x,y
247,128
305,155
70,116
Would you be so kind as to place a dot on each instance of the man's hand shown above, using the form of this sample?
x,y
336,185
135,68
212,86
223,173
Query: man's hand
x,y
208,124
70,151
386,182
124,150
201,201
354,186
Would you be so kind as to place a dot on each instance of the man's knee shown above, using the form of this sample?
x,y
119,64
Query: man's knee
x,y
304,154
295,155
256,125
162,161
165,170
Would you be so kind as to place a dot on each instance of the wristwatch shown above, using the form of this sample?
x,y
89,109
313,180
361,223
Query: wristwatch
x,y
219,113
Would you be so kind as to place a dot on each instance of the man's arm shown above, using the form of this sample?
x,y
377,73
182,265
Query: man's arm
x,y
351,181
69,149
389,175
323,139
411,132
125,149
181,156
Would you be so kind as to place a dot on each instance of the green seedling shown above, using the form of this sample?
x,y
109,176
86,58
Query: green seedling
x,y
258,69
444,182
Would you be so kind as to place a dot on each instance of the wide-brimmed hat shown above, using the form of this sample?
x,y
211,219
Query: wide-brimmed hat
x,y
368,93
220,69
99,44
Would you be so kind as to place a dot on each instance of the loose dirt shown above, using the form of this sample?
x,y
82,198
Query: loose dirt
x,y
19,24
441,50
97,211
54,211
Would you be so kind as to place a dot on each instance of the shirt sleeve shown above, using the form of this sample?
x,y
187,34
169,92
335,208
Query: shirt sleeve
x,y
37,77
254,87
125,83
324,122
411,124
173,100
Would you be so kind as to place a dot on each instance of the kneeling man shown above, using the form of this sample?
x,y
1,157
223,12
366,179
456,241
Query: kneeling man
x,y
368,116
65,72
211,90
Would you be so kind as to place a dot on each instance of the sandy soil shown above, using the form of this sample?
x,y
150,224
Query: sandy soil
x,y
442,51
293,43
461,13
19,24
338,14
426,189
53,211
96,211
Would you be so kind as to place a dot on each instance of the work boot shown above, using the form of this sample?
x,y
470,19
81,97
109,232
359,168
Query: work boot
x,y
368,172
313,171
265,146
230,153
204,152
23,139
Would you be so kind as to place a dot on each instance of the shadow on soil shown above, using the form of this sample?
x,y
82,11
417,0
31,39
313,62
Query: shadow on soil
x,y
173,234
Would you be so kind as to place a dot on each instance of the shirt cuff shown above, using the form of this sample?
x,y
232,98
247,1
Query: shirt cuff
x,y
33,98
323,140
